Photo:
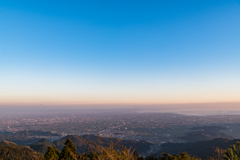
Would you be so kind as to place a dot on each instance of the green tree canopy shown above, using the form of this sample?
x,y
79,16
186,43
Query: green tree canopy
x,y
69,152
52,153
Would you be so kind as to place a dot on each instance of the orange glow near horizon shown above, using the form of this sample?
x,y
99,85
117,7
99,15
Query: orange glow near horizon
x,y
114,101
131,92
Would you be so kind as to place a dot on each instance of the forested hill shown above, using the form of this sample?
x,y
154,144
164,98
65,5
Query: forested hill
x,y
178,151
80,141
27,137
12,151
201,149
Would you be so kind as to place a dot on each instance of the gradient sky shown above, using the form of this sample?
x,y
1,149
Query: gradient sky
x,y
119,52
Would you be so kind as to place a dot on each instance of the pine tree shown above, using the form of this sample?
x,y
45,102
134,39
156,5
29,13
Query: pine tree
x,y
69,152
57,151
52,154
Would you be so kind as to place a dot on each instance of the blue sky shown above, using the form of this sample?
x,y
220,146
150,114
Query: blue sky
x,y
127,52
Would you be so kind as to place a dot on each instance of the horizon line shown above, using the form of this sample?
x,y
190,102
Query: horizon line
x,y
114,104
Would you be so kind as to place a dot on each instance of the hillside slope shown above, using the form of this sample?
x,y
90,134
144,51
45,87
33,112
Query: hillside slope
x,y
41,146
79,141
201,149
10,151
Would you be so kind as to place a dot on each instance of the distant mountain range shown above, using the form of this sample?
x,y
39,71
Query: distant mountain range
x,y
26,137
202,149
204,133
201,142
80,142
27,133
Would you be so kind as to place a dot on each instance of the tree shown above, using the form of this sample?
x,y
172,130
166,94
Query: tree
x,y
124,149
135,154
233,153
141,158
52,153
69,152
180,156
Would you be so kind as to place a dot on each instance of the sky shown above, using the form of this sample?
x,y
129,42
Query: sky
x,y
133,52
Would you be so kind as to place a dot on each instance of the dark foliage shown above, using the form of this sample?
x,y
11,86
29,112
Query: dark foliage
x,y
52,154
69,152
41,146
15,153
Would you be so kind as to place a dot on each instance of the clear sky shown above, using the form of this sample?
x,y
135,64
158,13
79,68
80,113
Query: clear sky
x,y
119,52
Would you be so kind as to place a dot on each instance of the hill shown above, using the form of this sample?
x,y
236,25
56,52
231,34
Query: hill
x,y
41,146
79,141
141,146
10,150
204,133
7,143
26,137
20,140
201,149
10,144
28,133
203,136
